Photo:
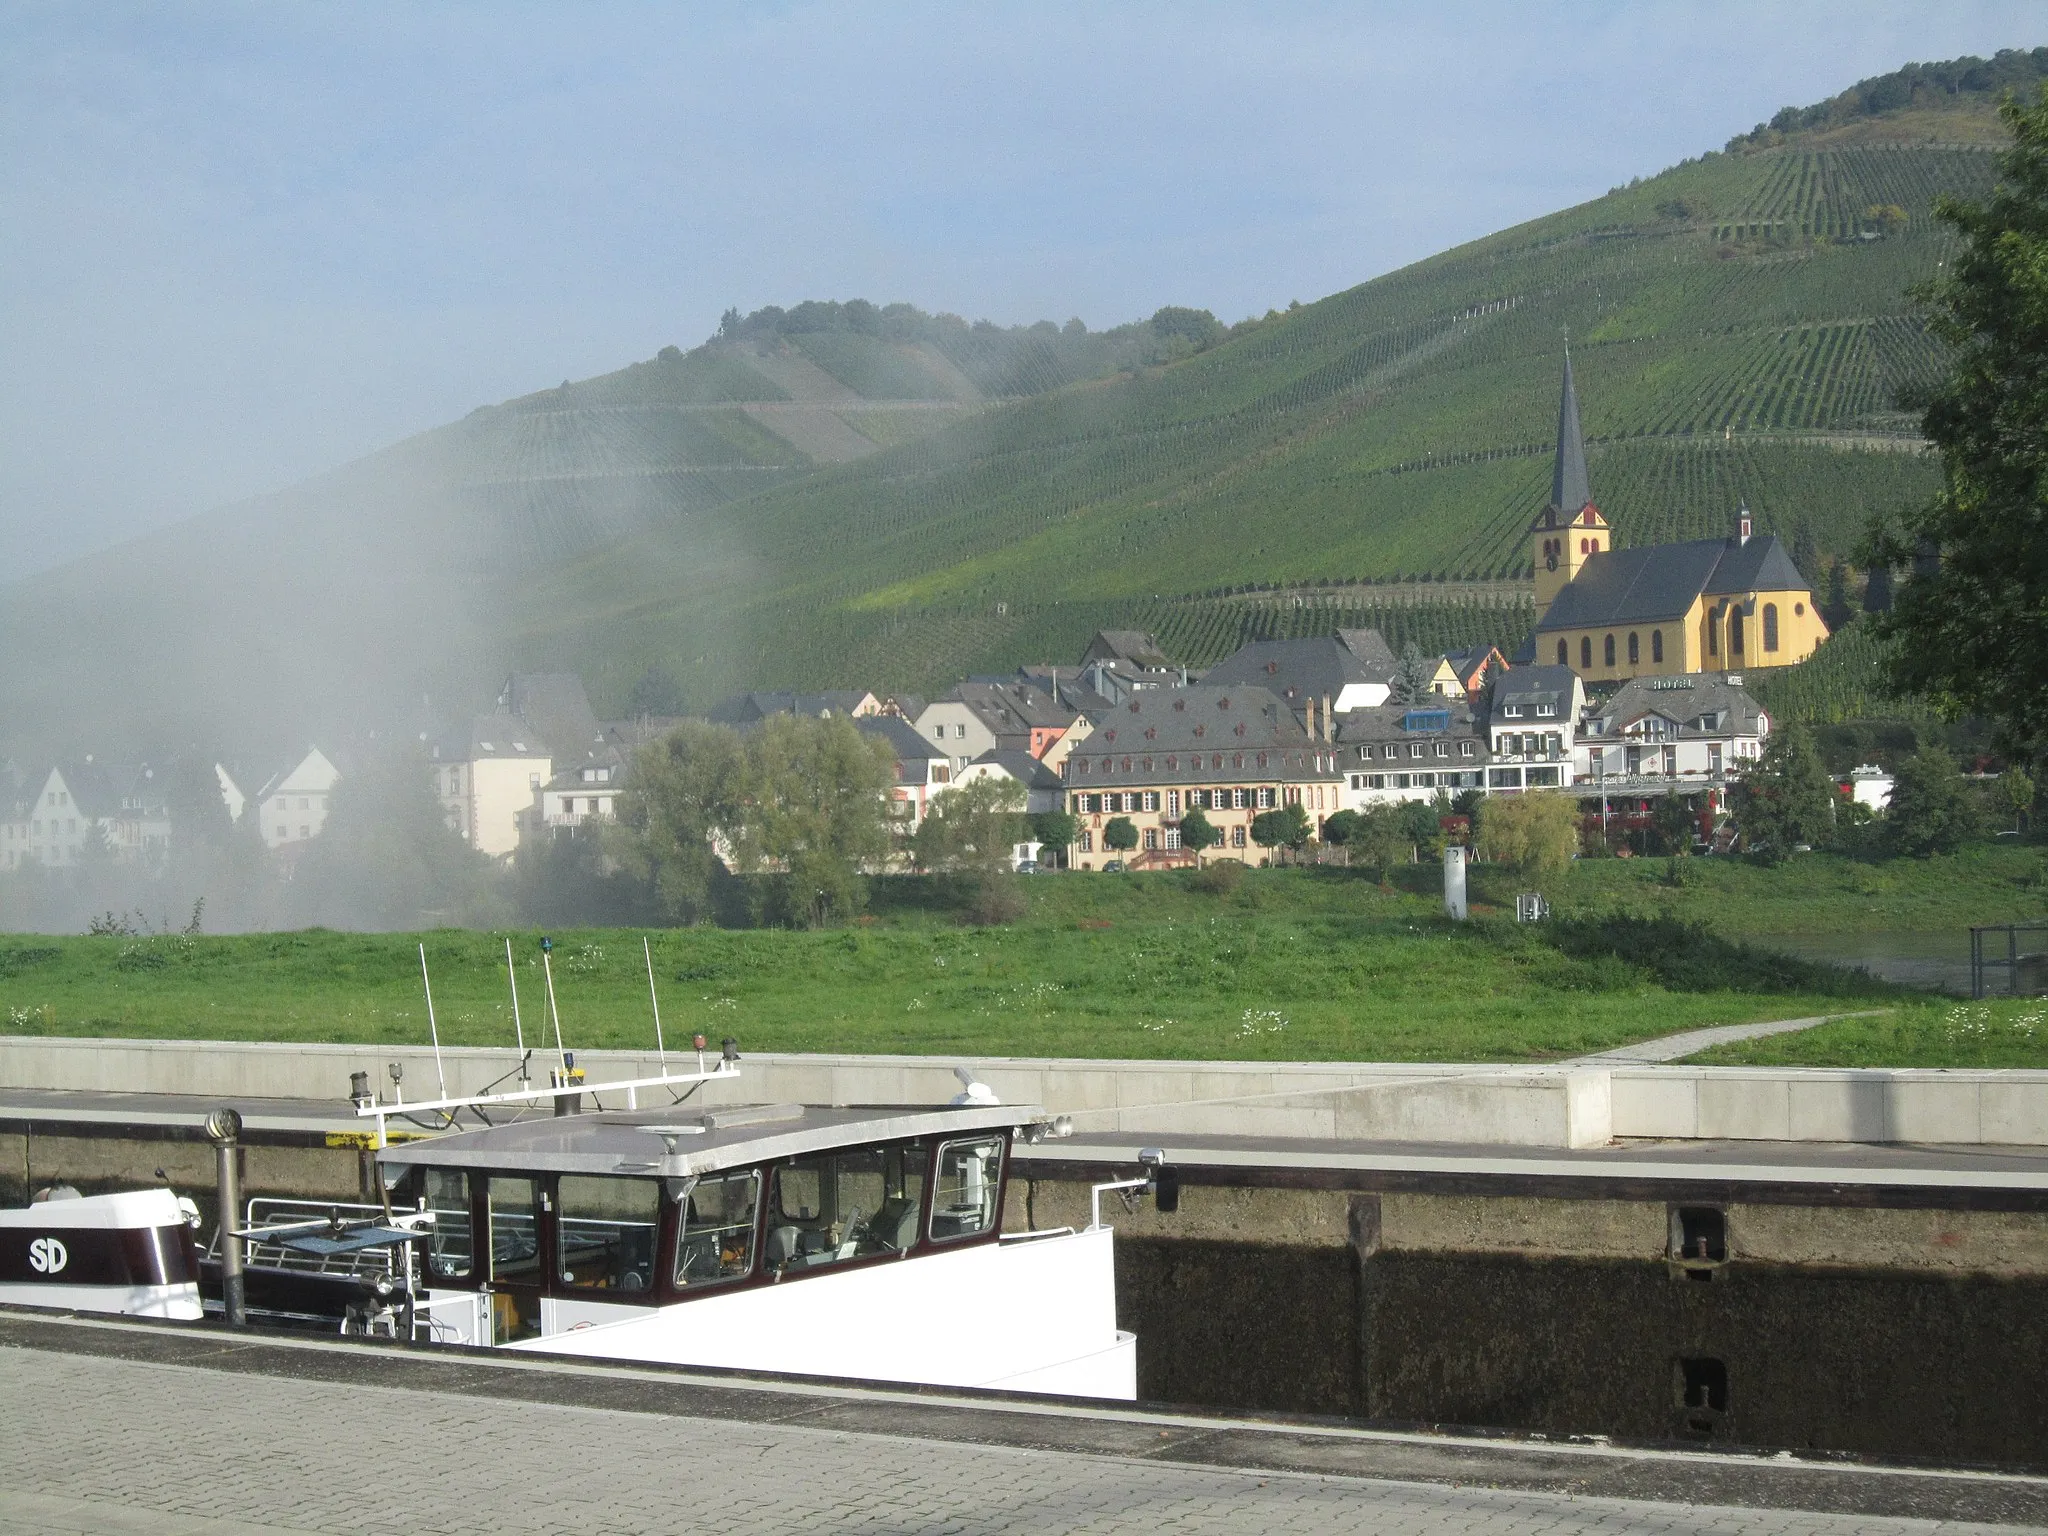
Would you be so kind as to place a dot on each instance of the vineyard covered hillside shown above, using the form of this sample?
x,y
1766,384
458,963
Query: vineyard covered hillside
x,y
842,494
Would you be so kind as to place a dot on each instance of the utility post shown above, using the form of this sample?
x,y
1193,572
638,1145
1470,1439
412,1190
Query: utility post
x,y
224,1130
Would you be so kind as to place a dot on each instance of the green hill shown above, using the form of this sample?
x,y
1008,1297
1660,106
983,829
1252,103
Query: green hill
x,y
846,494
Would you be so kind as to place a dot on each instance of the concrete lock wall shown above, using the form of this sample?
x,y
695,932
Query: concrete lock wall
x,y
1530,1106
1879,1331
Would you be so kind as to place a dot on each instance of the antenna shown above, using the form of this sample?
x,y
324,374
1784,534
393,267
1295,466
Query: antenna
x,y
660,1050
547,969
518,1031
432,1028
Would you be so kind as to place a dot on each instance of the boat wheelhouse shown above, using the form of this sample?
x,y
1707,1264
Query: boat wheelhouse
x,y
844,1241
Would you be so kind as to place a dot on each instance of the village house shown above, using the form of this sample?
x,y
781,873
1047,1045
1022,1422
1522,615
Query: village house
x,y
1227,751
490,773
1461,674
923,767
1399,752
580,794
1671,735
1315,678
1044,790
81,811
1664,610
990,714
291,807
1533,728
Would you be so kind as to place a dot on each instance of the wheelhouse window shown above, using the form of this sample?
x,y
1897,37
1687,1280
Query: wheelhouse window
x,y
451,1251
514,1214
969,1180
857,1204
715,1239
605,1229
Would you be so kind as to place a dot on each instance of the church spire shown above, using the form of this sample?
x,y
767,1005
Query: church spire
x,y
1569,491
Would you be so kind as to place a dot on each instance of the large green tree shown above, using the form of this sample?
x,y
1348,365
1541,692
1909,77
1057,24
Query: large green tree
x,y
1930,810
1787,798
684,809
1971,624
818,811
972,828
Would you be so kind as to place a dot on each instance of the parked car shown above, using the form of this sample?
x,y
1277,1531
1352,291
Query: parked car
x,y
1113,867
1028,867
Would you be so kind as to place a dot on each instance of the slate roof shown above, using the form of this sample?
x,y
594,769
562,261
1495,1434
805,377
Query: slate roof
x,y
1198,735
555,709
1569,491
1703,704
1024,768
1301,670
1659,582
98,789
748,708
483,736
904,742
1411,722
1008,706
1529,687
1135,646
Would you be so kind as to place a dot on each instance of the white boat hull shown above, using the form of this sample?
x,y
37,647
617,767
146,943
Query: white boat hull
x,y
1030,1315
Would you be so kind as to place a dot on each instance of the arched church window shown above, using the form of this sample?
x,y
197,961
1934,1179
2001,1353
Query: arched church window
x,y
1656,645
1607,651
1563,654
1585,653
1770,626
1635,649
1734,631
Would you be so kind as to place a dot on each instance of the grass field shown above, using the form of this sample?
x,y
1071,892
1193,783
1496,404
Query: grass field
x,y
1998,1033
1292,965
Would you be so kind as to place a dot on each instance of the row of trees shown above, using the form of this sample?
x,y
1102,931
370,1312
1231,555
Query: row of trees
x,y
1790,800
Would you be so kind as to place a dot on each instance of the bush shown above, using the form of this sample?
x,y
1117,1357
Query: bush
x,y
994,901
1930,810
1218,879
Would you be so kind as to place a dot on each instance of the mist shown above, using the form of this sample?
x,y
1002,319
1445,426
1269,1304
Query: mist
x,y
270,270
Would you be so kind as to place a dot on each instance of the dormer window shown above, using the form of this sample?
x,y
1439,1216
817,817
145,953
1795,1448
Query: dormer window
x,y
1512,711
1545,711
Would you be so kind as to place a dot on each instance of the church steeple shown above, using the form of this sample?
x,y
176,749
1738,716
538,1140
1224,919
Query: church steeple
x,y
1568,489
1570,530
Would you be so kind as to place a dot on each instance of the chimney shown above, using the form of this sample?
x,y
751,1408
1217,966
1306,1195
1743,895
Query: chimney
x,y
1742,524
1329,729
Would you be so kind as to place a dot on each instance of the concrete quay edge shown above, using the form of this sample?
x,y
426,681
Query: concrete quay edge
x,y
1563,1104
1443,1456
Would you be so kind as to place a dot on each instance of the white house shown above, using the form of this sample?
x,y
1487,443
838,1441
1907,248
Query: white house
x,y
1402,752
292,807
583,793
1687,732
1533,728
86,810
1044,790
490,775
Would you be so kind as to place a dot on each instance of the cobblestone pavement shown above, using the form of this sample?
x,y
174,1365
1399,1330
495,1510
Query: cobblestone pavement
x,y
96,1446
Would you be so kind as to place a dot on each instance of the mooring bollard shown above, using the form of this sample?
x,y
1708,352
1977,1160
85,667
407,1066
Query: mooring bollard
x,y
224,1130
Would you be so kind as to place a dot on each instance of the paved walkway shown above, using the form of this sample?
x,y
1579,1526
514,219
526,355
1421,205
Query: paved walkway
x,y
102,1445
1679,1046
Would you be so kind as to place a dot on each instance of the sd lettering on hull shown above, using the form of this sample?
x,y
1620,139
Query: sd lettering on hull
x,y
48,1256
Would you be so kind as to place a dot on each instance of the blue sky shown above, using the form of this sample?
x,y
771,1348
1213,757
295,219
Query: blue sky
x,y
243,243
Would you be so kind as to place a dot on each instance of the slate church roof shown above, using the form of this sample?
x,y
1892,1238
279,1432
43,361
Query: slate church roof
x,y
1660,582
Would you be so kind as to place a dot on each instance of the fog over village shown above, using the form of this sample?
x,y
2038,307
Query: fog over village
x,y
1227,767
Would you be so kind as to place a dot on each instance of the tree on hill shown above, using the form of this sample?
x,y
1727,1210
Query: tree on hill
x,y
1413,674
1788,798
1930,810
1972,622
1119,834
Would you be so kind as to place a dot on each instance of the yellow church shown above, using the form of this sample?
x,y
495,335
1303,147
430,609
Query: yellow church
x,y
1707,605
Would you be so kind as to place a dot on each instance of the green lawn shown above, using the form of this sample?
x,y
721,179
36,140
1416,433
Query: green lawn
x,y
1292,966
1999,1033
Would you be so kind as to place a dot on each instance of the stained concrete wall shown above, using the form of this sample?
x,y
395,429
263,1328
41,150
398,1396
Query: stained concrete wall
x,y
1531,1106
